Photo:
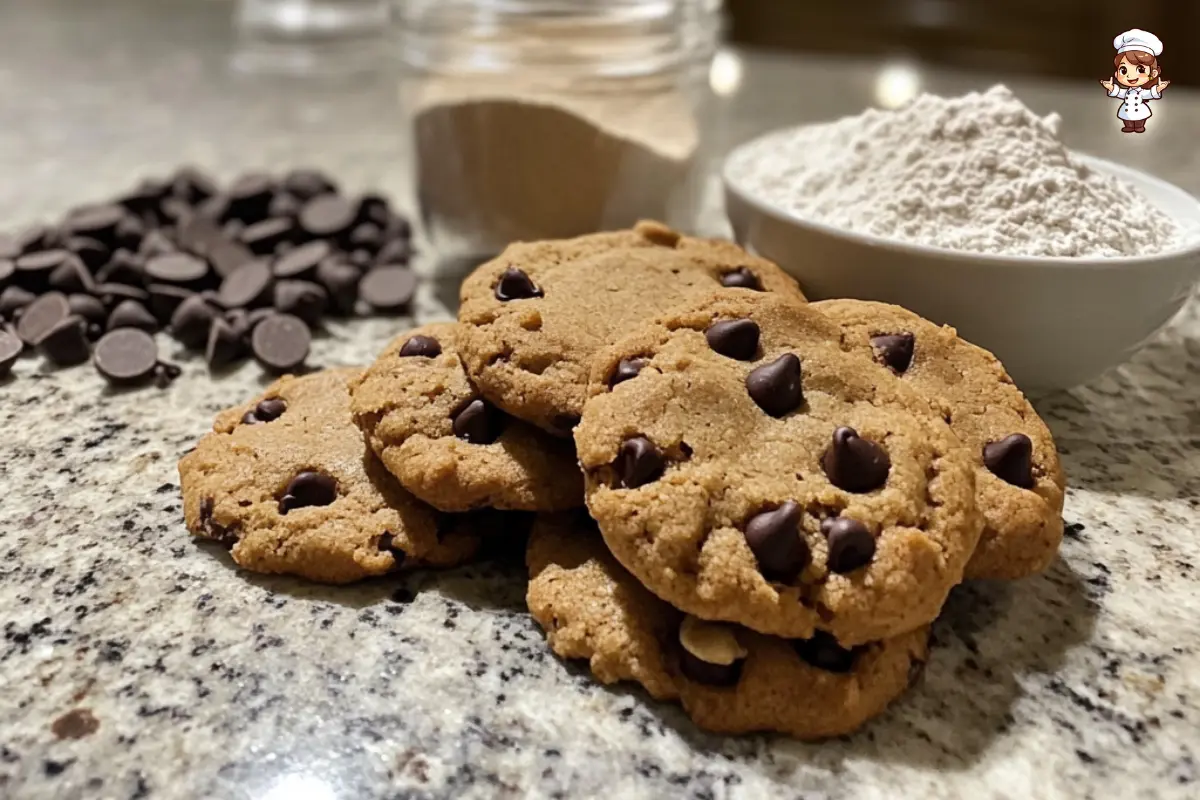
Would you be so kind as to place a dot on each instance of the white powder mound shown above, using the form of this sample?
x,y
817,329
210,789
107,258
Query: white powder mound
x,y
981,173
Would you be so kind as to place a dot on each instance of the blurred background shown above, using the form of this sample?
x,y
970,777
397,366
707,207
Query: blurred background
x,y
1044,37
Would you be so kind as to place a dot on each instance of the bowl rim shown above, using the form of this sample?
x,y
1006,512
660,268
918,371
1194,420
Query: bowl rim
x,y
1189,246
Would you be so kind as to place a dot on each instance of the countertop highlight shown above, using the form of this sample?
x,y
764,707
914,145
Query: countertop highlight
x,y
136,663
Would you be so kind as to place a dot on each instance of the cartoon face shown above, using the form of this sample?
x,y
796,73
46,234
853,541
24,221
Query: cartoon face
x,y
1132,74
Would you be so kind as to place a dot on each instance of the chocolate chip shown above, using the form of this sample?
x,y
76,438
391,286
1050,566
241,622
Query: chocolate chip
x,y
741,278
248,285
302,261
41,315
99,222
112,293
308,183
14,299
165,299
638,462
303,299
849,544
420,345
155,243
91,254
823,652
388,288
855,464
191,321
249,197
361,259
894,349
387,544
1011,460
341,282
701,671
265,411
192,186
270,409
176,268
123,267
262,237
734,338
775,539
34,269
327,215
627,368
66,343
34,238
280,342
7,270
225,344
396,251
776,387
10,350
366,236
308,488
131,314
88,307
515,285
478,422
126,356
71,277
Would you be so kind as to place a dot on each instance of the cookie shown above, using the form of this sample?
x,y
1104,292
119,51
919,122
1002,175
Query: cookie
x,y
746,468
729,679
536,315
1018,478
449,446
288,484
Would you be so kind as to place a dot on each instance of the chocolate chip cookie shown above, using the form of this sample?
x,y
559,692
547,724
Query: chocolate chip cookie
x,y
449,446
537,314
746,468
729,679
1018,478
288,484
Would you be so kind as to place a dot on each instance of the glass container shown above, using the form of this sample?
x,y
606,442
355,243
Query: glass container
x,y
537,119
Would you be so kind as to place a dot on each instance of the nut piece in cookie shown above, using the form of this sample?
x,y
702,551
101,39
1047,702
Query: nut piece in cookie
x,y
1018,478
449,446
286,482
534,317
728,678
795,491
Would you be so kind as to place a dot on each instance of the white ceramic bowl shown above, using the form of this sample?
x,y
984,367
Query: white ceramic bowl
x,y
1054,322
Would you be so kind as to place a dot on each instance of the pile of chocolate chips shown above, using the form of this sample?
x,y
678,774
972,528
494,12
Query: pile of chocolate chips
x,y
250,268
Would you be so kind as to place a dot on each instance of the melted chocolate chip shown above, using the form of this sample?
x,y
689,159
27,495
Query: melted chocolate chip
x,y
741,278
776,387
514,284
421,346
850,544
894,349
855,464
478,422
734,338
626,368
1011,460
638,462
308,488
823,652
775,539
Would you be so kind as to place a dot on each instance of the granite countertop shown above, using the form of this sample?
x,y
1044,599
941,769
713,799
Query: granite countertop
x,y
138,664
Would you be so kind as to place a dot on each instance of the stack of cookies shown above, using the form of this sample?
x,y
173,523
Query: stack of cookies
x,y
746,503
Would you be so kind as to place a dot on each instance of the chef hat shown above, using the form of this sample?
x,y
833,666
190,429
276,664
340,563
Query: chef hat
x,y
1138,39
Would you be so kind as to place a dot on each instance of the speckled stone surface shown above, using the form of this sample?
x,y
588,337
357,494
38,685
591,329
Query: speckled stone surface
x,y
135,663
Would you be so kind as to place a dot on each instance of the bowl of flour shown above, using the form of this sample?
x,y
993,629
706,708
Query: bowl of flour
x,y
973,213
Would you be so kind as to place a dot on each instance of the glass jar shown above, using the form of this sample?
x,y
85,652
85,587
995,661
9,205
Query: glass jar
x,y
544,119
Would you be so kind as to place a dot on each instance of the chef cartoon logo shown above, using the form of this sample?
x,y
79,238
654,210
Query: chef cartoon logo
x,y
1136,80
